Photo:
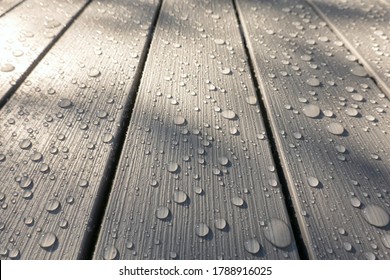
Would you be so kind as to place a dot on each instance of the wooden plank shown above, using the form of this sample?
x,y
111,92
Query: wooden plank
x,y
59,132
26,34
364,27
196,179
339,183
7,5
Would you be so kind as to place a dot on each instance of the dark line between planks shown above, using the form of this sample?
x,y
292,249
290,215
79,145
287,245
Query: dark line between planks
x,y
38,59
301,246
13,7
94,227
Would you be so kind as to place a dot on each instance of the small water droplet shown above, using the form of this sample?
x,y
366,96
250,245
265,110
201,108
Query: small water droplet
x,y
228,114
355,202
36,157
223,160
93,72
314,82
180,197
347,246
47,240
162,212
52,205
251,100
252,246
7,67
202,230
14,254
179,120
83,183
220,224
65,103
386,240
110,253
237,201
107,138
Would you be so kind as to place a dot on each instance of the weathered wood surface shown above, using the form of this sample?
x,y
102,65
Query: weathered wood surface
x,y
59,132
196,179
364,26
25,35
331,129
7,5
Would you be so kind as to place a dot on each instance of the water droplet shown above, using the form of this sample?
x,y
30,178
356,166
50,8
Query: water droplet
x,y
162,212
314,82
359,71
2,157
251,100
237,201
355,202
93,72
278,233
173,167
311,111
219,41
341,149
352,112
25,144
52,205
297,135
129,245
110,253
107,138
179,197
223,160
7,67
65,103
173,255
36,157
226,71
83,183
29,220
376,215
202,230
357,97
347,246
386,240
335,128
179,120
252,246
313,181
47,240
14,254
26,182
228,114
220,223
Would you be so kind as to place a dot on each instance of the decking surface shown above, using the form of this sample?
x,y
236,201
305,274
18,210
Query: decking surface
x,y
194,129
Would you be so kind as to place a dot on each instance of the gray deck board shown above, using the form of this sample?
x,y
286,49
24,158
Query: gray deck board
x,y
365,29
7,5
293,50
170,187
60,130
26,32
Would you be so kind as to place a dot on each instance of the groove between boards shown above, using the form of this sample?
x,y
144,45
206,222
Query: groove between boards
x,y
99,208
13,7
36,61
296,229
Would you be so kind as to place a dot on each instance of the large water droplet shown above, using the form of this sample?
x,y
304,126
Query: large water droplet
x,y
313,181
355,202
314,82
202,230
251,100
47,240
278,233
26,182
335,128
107,138
179,120
52,205
376,215
110,253
386,240
252,246
93,72
172,167
7,67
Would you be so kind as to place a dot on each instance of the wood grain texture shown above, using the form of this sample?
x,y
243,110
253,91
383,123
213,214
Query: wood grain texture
x,y
60,130
7,5
294,51
364,26
26,33
196,179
